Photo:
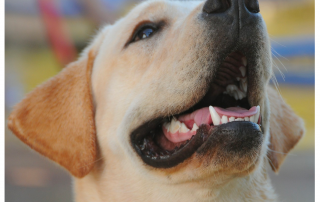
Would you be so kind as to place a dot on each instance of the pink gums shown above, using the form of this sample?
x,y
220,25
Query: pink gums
x,y
202,116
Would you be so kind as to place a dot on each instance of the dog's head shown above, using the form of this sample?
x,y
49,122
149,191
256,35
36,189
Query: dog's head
x,y
137,100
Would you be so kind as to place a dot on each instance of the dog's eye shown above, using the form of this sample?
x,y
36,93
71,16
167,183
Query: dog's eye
x,y
144,33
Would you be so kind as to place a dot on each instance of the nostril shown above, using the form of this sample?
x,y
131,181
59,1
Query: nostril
x,y
252,6
216,6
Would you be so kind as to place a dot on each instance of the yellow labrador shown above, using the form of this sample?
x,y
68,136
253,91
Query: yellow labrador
x,y
171,103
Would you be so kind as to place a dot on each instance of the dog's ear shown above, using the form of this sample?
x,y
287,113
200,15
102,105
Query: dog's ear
x,y
57,118
286,129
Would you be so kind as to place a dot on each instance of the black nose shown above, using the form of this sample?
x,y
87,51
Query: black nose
x,y
220,6
216,6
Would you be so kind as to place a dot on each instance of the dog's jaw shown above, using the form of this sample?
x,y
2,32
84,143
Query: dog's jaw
x,y
106,186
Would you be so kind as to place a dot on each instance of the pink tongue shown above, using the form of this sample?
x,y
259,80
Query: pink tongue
x,y
202,116
236,111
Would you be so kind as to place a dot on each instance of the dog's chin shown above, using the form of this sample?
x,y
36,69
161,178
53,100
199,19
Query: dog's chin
x,y
235,139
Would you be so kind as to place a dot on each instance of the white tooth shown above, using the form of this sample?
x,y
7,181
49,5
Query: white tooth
x,y
252,118
175,125
244,61
214,116
231,119
243,71
238,78
228,89
239,119
257,115
195,127
231,88
245,87
244,84
240,94
235,95
234,87
224,119
235,92
167,126
183,128
246,118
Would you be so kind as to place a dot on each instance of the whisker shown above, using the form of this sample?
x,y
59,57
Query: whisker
x,y
280,152
279,54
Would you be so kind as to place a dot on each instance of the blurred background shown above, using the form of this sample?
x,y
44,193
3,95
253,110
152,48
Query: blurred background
x,y
41,36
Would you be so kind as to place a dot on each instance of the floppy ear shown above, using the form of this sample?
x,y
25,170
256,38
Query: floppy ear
x,y
57,118
286,129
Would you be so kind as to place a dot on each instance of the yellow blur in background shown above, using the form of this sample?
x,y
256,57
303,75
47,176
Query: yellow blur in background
x,y
30,61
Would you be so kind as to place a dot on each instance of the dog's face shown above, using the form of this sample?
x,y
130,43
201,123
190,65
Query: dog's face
x,y
175,70
141,92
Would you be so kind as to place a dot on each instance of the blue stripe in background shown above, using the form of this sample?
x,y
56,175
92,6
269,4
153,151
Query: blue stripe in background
x,y
301,79
295,47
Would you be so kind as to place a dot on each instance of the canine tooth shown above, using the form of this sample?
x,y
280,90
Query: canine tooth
x,y
239,119
244,61
167,126
175,125
252,118
224,119
243,71
246,118
214,116
257,115
195,127
183,128
231,119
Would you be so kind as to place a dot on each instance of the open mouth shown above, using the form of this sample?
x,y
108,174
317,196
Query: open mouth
x,y
166,142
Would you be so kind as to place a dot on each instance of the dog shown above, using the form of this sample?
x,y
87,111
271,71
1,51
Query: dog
x,y
170,103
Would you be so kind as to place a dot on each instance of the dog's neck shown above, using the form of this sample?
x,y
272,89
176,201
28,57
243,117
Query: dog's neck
x,y
115,187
